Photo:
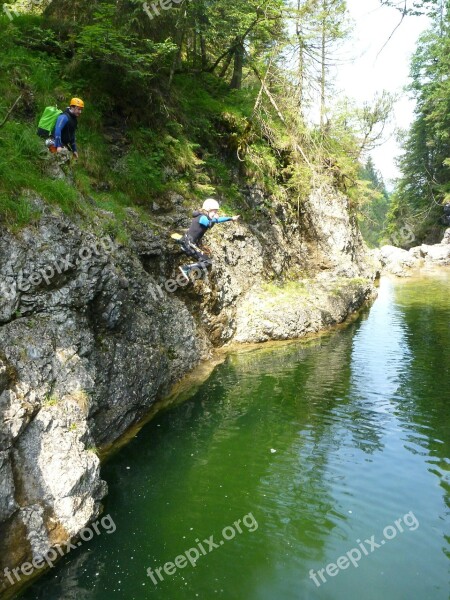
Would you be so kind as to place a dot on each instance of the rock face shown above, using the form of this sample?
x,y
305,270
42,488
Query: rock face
x,y
397,261
294,310
92,334
400,262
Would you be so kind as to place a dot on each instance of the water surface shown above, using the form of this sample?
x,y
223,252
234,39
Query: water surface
x,y
303,452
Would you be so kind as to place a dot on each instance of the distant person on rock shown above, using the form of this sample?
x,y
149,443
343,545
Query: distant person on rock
x,y
64,133
202,220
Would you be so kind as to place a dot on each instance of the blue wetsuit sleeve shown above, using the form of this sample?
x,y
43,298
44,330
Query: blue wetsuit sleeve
x,y
204,221
221,219
60,124
207,222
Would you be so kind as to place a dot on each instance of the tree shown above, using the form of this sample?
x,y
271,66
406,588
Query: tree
x,y
414,7
372,212
425,181
333,28
244,29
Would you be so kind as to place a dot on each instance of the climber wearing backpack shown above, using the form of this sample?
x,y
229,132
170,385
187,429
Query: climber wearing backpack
x,y
202,220
60,127
66,126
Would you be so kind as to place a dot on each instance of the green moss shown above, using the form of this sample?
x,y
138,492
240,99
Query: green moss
x,y
50,400
16,213
273,293
343,285
171,353
289,289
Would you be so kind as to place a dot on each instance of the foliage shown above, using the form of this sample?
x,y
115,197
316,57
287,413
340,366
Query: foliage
x,y
372,212
118,61
197,100
317,30
414,7
425,182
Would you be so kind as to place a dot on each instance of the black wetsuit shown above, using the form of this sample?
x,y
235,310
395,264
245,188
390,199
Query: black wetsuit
x,y
199,226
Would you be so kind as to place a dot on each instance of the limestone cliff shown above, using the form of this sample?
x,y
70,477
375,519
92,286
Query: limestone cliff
x,y
93,333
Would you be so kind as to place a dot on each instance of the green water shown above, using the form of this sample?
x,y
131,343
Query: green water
x,y
315,447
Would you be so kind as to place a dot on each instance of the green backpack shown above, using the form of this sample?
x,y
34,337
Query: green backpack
x,y
48,121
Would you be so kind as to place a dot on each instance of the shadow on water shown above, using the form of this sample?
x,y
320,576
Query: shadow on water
x,y
324,443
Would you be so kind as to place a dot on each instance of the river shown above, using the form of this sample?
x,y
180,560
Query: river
x,y
311,470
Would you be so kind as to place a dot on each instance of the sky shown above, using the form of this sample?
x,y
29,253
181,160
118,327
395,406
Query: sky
x,y
367,73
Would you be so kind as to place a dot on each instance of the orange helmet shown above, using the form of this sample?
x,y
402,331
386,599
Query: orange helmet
x,y
77,102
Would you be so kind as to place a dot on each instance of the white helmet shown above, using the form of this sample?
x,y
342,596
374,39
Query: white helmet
x,y
210,204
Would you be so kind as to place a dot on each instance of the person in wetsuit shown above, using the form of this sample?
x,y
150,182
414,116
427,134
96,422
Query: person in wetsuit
x,y
201,222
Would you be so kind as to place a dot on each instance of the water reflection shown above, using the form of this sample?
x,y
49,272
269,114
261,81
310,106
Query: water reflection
x,y
424,409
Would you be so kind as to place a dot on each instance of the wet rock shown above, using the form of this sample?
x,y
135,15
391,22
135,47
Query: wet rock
x,y
8,504
293,311
438,254
398,261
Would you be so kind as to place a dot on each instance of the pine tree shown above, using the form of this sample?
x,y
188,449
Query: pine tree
x,y
425,166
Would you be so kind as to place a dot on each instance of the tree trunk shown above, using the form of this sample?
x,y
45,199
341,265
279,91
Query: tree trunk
x,y
177,57
194,49
323,73
301,59
236,81
203,51
226,65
